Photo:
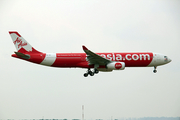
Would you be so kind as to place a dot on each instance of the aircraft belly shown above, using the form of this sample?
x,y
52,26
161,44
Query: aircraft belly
x,y
137,63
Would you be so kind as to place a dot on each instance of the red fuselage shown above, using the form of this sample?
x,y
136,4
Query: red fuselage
x,y
79,59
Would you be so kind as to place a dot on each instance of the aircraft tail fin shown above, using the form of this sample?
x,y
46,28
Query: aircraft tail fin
x,y
21,44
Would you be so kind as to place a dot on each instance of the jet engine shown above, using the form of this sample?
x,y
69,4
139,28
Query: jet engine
x,y
116,66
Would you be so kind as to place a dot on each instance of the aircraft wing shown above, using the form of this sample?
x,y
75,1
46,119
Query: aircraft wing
x,y
94,58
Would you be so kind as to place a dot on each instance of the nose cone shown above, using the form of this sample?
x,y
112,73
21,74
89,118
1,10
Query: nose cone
x,y
169,60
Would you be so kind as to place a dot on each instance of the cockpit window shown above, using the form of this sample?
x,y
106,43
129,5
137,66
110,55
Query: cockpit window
x,y
165,58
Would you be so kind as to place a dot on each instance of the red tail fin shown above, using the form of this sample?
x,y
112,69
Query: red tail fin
x,y
21,44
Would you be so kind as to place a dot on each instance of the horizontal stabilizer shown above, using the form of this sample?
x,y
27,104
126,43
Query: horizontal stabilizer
x,y
22,55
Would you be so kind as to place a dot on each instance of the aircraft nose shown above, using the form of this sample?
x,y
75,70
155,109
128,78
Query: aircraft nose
x,y
169,60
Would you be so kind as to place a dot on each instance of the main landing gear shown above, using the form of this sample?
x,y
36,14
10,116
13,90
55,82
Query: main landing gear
x,y
91,73
155,69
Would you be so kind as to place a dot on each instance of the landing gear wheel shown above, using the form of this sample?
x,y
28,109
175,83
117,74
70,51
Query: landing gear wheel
x,y
91,73
154,71
85,74
96,71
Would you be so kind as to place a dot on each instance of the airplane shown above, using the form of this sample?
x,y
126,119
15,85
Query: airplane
x,y
105,62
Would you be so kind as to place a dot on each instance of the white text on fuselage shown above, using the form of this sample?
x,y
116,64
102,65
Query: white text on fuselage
x,y
116,57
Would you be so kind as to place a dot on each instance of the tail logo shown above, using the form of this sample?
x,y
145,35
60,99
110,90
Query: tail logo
x,y
21,44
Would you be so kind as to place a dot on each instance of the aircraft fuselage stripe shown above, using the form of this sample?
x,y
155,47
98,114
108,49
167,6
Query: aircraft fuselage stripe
x,y
49,59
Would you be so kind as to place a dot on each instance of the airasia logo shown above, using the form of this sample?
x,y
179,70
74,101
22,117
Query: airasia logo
x,y
18,40
118,65
129,57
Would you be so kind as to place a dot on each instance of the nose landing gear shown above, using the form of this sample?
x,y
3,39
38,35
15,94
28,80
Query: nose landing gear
x,y
155,69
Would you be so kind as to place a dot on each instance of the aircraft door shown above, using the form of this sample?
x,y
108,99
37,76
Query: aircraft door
x,y
155,57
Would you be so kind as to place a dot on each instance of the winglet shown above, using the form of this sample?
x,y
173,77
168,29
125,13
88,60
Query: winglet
x,y
84,48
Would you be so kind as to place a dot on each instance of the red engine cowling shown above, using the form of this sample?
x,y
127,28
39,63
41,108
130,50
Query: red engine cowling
x,y
116,66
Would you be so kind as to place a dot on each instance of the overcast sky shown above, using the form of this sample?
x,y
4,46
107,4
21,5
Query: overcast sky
x,y
31,91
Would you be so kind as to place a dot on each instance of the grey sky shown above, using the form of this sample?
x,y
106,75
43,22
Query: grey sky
x,y
31,91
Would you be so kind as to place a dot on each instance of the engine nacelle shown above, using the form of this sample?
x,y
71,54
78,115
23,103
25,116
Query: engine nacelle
x,y
116,66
